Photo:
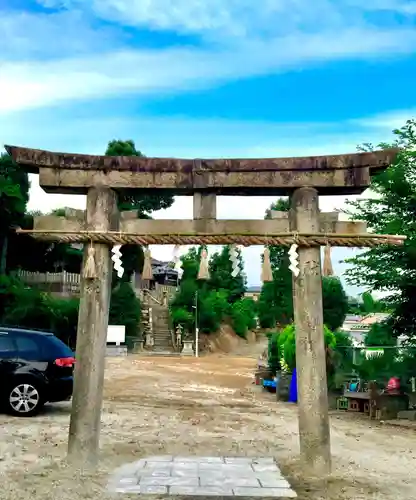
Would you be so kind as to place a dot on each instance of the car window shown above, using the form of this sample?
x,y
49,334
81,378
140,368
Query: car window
x,y
55,348
27,348
7,347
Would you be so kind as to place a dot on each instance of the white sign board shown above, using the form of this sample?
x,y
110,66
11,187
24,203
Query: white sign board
x,y
116,334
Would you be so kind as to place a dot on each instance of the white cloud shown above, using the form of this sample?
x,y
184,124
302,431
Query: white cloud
x,y
42,63
387,121
407,7
30,36
235,18
41,83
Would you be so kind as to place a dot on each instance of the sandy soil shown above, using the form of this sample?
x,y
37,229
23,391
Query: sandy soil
x,y
199,407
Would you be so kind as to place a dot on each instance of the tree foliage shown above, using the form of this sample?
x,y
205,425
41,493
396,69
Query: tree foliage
x,y
207,303
125,309
25,307
275,305
392,210
282,347
132,199
276,302
220,268
335,302
14,195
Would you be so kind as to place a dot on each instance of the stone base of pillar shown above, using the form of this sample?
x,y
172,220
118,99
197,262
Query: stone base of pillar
x,y
149,340
138,346
187,348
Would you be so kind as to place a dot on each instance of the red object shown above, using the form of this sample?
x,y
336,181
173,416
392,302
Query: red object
x,y
65,362
393,385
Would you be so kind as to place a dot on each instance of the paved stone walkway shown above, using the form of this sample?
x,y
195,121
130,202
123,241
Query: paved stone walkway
x,y
202,476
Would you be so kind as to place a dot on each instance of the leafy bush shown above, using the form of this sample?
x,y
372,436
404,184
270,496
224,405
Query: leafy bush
x,y
243,316
212,308
335,302
180,316
25,307
282,347
273,352
216,296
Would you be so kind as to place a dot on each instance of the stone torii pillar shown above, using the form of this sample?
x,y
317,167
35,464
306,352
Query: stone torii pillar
x,y
314,431
84,429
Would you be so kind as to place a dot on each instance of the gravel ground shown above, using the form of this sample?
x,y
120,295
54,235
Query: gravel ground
x,y
204,406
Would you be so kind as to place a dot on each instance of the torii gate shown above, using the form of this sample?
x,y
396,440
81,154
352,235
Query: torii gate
x,y
302,179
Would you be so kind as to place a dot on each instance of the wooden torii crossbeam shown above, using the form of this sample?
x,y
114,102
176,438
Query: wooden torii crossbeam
x,y
302,179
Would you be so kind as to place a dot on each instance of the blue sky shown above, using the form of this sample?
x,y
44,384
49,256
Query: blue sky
x,y
197,78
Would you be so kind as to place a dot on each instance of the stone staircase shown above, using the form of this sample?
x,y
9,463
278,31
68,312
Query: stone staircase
x,y
161,329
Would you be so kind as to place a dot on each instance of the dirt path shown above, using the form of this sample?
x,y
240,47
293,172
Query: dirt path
x,y
199,407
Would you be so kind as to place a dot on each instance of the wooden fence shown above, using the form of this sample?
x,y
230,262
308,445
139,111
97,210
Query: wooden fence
x,y
64,283
60,283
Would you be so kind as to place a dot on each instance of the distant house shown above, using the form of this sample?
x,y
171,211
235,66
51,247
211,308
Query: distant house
x,y
253,292
358,326
163,274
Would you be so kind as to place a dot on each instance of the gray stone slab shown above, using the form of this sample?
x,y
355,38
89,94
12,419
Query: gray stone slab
x,y
238,460
190,466
272,480
210,460
154,472
265,468
232,482
274,483
202,476
225,468
264,492
158,465
128,481
170,481
144,490
214,491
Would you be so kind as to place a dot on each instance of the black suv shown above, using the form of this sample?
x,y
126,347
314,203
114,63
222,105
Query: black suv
x,y
35,367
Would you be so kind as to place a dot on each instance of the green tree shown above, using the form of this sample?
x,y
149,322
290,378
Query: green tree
x,y
21,306
220,269
243,316
392,210
125,309
216,299
370,305
41,256
282,346
276,301
335,302
182,307
14,195
131,199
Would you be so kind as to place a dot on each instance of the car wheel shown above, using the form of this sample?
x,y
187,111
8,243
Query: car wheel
x,y
24,399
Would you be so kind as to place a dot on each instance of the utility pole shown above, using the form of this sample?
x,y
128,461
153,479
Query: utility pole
x,y
196,326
